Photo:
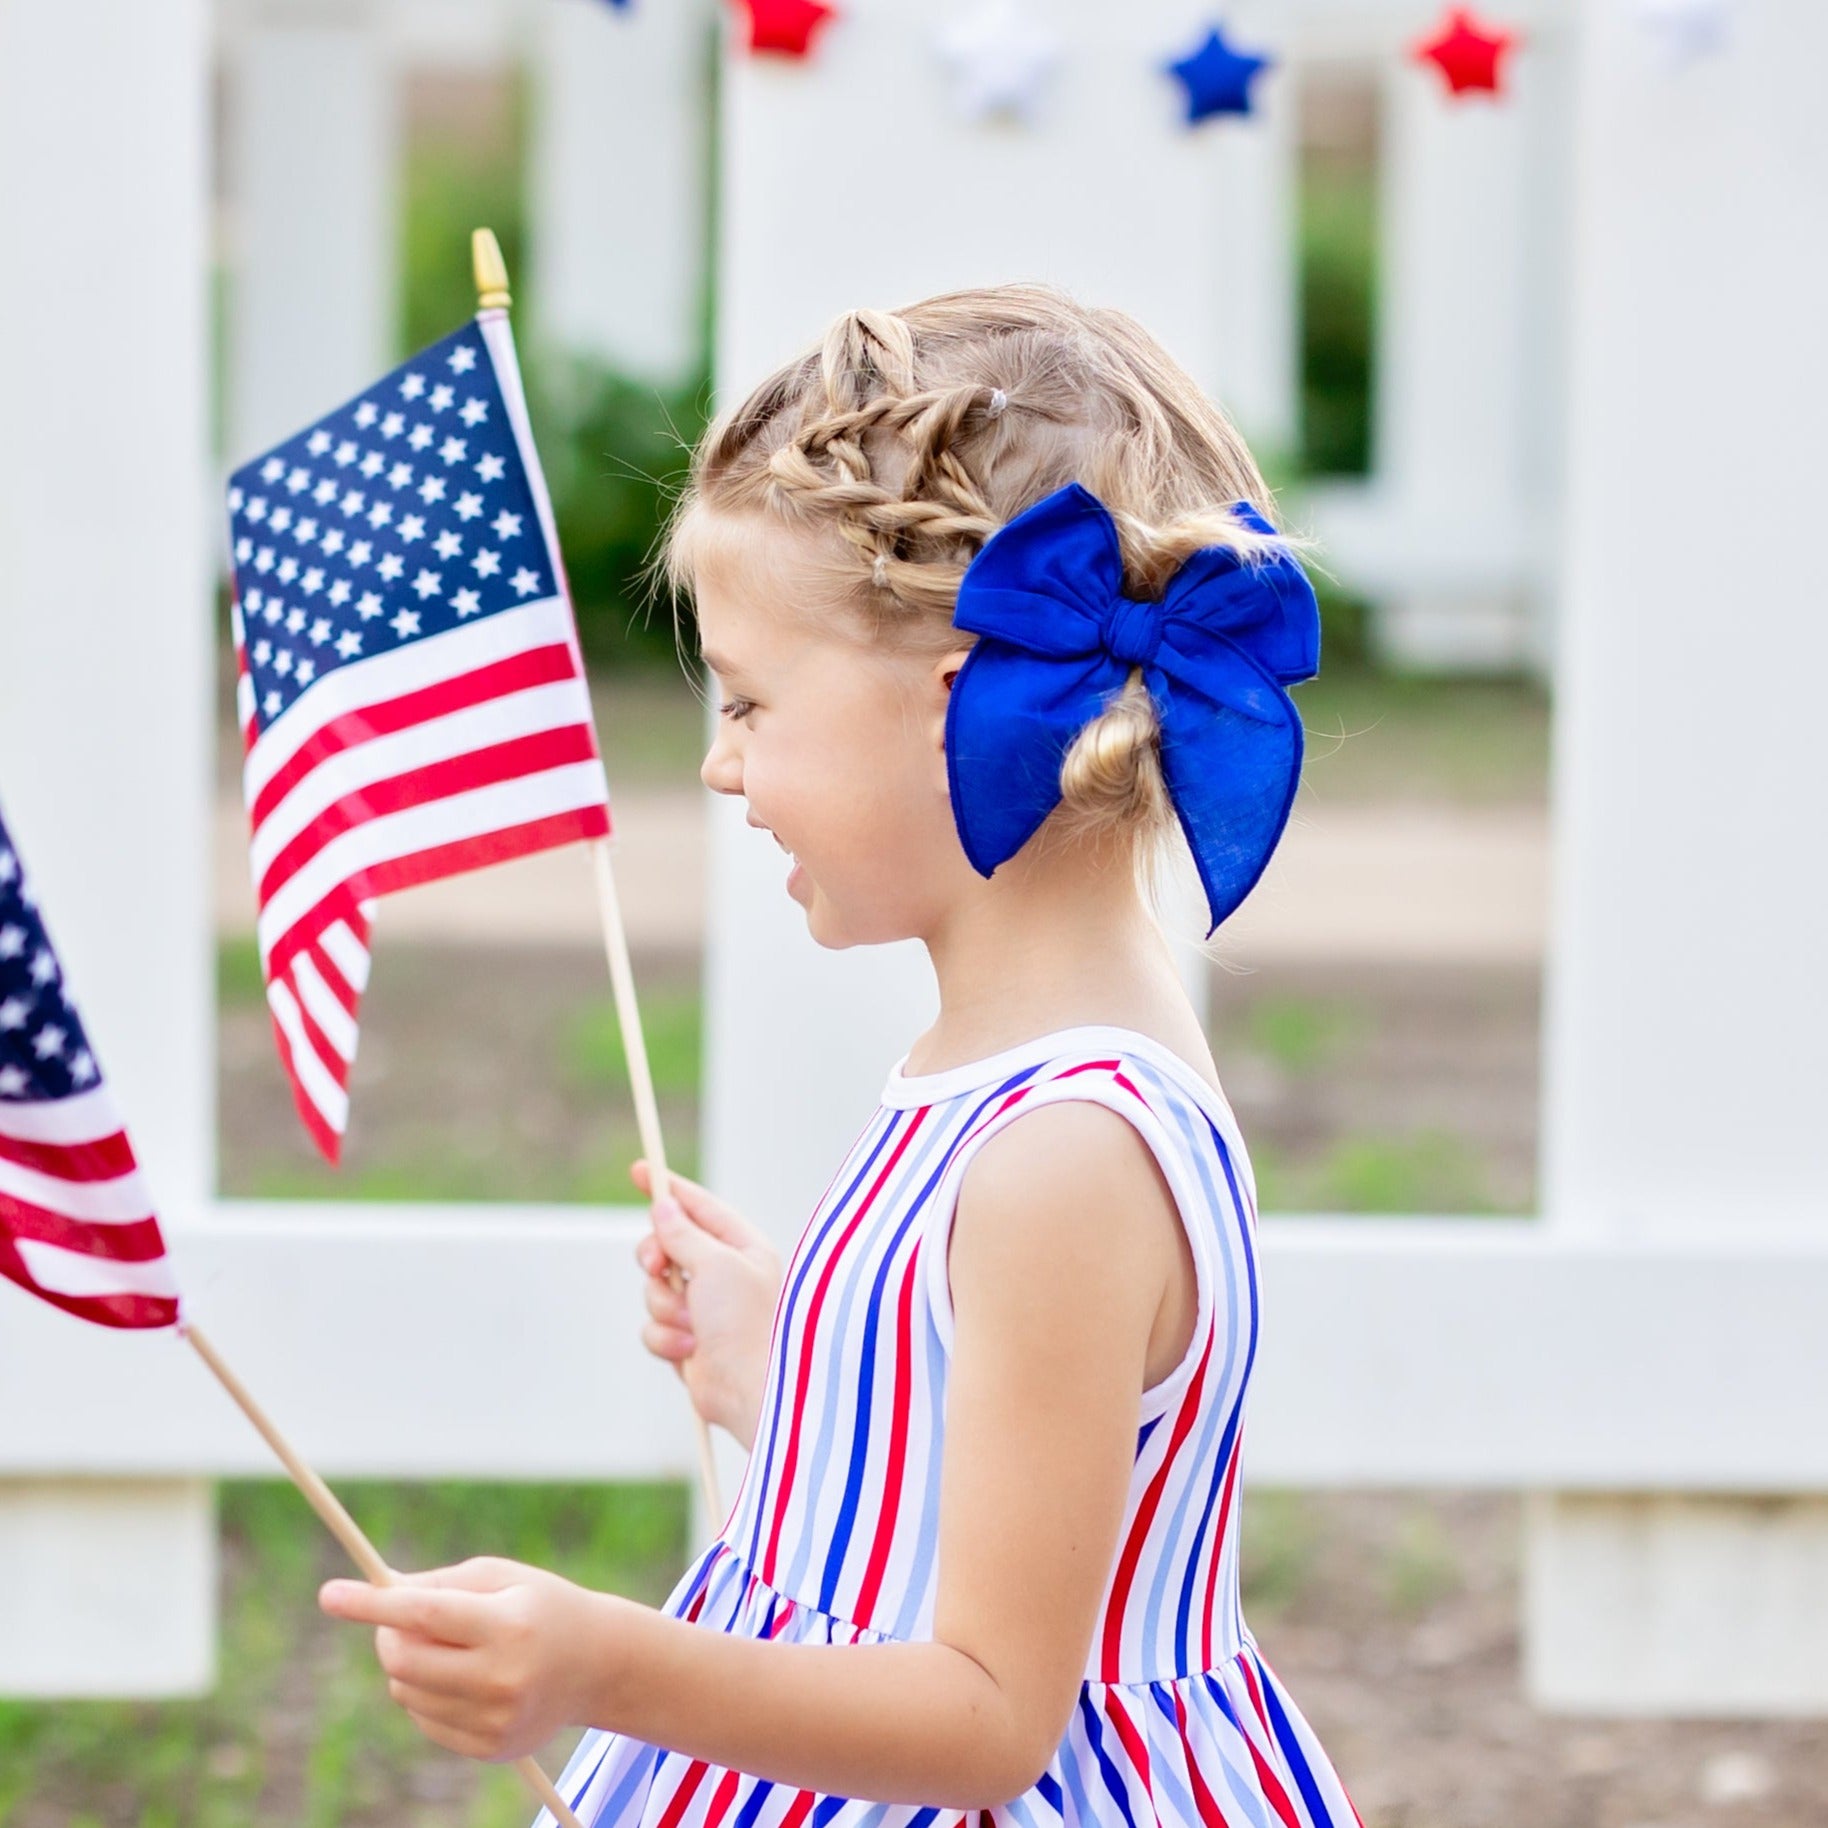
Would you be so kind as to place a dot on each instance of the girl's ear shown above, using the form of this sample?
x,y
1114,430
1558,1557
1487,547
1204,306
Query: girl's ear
x,y
945,671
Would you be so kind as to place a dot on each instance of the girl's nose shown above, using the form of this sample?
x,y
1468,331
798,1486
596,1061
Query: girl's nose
x,y
722,770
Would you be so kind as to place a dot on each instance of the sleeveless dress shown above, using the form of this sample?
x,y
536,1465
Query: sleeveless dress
x,y
832,1536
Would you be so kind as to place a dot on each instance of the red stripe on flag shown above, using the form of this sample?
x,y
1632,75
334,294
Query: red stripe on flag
x,y
104,1310
107,1158
136,1241
518,673
507,761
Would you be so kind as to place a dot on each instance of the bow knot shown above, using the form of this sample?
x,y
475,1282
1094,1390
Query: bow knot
x,y
1133,631
1057,638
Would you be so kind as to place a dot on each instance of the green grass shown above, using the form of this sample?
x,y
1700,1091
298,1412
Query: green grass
x,y
240,983
1414,1171
1301,1034
672,1024
1279,1542
299,1732
1421,1567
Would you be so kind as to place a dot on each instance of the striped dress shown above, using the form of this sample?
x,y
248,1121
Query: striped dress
x,y
832,1537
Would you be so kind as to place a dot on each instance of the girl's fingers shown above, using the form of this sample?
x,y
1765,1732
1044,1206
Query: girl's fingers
x,y
428,1669
449,1615
667,1307
699,1204
668,1342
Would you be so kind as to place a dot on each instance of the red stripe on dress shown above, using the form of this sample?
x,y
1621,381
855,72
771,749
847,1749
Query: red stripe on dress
x,y
103,1158
1218,1544
798,1810
720,1799
439,780
886,1516
1132,1740
806,1338
1145,1512
1266,1774
676,1803
350,729
1210,1812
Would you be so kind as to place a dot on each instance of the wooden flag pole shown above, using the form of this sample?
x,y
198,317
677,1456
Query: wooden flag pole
x,y
346,1530
491,274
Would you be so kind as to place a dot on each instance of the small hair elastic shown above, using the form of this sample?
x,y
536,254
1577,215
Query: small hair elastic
x,y
998,400
1058,638
879,571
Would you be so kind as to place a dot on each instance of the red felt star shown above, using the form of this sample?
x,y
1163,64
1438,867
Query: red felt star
x,y
785,25
1467,53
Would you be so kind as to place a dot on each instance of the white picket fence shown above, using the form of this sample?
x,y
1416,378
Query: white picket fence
x,y
1644,1358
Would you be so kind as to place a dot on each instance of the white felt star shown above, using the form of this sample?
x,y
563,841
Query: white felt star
x,y
999,58
1688,28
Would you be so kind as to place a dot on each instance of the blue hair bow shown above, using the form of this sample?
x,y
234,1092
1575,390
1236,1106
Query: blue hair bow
x,y
1058,637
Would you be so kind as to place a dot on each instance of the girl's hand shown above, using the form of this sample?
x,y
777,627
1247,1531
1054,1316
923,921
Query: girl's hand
x,y
490,1658
716,1328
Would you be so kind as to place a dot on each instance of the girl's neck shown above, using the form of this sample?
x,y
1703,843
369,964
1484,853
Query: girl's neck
x,y
1029,954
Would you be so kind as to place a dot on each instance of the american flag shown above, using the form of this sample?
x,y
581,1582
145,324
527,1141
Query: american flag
x,y
76,1222
411,696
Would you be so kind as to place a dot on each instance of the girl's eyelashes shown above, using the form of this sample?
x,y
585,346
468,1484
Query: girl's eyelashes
x,y
739,708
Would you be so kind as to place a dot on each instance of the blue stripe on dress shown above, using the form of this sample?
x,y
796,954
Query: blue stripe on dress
x,y
765,1484
866,1378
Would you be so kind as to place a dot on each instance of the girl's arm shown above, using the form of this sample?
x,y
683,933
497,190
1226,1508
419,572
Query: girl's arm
x,y
1064,1242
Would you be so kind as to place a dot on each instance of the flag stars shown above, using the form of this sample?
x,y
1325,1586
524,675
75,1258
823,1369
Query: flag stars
x,y
49,1041
421,436
368,606
506,525
282,663
360,552
412,527
400,475
463,359
307,671
468,506
282,519
244,550
305,531
318,443
44,967
431,490
272,469
13,1081
405,623
257,509
466,602
390,566
380,514
393,425
82,1067
325,492
473,412
373,464
428,584
453,450
320,631
263,652
441,398
353,502
263,560
235,499
287,570
332,542
487,562
348,644
12,942
413,385
295,622
448,544
346,453
298,481
366,414
525,582
14,1012
340,593
490,467
271,704
272,613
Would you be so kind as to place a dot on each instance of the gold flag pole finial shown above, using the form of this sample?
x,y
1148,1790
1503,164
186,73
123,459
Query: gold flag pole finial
x,y
491,271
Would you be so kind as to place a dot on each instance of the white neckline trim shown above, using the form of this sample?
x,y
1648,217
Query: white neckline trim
x,y
905,1090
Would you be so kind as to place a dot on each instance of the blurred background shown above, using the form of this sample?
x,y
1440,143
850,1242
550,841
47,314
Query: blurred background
x,y
1392,339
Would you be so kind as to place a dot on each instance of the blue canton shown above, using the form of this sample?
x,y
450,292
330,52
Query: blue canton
x,y
400,515
44,1053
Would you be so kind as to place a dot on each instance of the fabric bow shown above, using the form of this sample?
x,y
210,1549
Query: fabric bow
x,y
1058,637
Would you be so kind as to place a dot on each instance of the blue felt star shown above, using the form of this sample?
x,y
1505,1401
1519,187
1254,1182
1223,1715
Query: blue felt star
x,y
1217,77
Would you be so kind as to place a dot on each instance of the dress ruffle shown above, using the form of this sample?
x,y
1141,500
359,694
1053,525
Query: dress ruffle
x,y
1219,1748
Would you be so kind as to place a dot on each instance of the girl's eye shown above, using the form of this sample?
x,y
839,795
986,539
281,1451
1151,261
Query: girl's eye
x,y
738,708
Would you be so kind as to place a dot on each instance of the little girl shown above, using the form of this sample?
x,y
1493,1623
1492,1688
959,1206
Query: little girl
x,y
997,618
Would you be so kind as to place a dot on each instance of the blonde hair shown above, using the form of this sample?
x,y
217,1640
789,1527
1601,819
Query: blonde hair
x,y
911,436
